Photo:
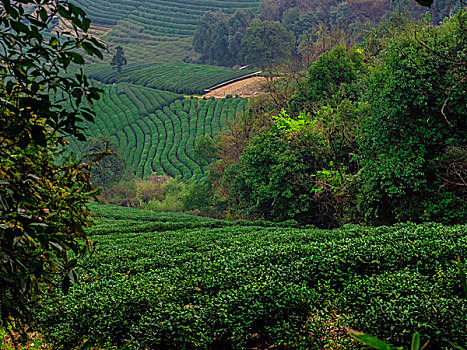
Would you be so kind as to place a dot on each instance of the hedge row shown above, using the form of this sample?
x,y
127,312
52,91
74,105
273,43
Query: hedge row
x,y
156,131
178,77
188,285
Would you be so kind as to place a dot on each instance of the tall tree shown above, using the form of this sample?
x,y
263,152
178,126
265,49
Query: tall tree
x,y
218,36
43,209
118,60
208,40
267,43
414,151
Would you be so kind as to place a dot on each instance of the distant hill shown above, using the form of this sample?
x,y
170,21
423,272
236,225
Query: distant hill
x,y
153,29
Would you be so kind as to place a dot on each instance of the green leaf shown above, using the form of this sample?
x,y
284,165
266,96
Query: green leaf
x,y
53,41
19,27
92,50
10,10
62,11
88,116
72,263
416,341
371,341
76,10
426,3
75,57
43,14
86,24
98,43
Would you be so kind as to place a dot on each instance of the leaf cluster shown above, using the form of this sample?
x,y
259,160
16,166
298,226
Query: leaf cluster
x,y
42,202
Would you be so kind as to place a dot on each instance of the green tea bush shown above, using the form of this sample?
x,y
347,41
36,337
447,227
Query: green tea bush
x,y
167,281
152,131
177,77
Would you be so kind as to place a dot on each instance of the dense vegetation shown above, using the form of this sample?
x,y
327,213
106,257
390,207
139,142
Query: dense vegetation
x,y
43,210
156,131
180,282
298,31
374,133
178,77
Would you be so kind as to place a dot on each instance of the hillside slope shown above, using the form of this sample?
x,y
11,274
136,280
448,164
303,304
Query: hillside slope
x,y
154,29
156,131
178,77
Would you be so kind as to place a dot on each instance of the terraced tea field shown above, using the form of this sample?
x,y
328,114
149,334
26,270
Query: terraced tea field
x,y
150,29
168,281
156,131
178,77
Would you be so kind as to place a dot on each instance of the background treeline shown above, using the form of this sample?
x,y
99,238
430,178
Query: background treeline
x,y
282,30
375,133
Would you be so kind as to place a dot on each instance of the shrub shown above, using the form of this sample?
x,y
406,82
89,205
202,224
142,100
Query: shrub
x,y
165,281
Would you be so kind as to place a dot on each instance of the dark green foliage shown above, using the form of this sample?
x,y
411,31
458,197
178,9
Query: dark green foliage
x,y
200,198
218,36
331,78
205,150
377,141
273,10
118,60
273,180
43,209
109,170
299,23
266,43
210,39
301,168
419,117
234,286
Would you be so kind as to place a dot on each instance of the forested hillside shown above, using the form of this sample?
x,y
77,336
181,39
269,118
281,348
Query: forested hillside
x,y
374,132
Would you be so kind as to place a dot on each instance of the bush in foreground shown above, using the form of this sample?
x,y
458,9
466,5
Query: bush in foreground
x,y
240,286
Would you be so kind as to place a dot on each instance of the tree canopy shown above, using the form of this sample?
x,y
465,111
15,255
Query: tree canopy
x,y
43,197
118,60
374,133
266,43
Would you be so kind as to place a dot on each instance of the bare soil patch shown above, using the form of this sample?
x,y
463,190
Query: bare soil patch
x,y
249,87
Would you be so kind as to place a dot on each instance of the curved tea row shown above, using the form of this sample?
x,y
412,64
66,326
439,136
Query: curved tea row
x,y
156,131
178,77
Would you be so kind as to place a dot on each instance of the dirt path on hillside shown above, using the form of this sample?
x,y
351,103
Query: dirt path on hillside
x,y
244,88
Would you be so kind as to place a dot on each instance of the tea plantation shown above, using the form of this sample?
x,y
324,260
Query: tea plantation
x,y
178,77
155,28
167,281
156,131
